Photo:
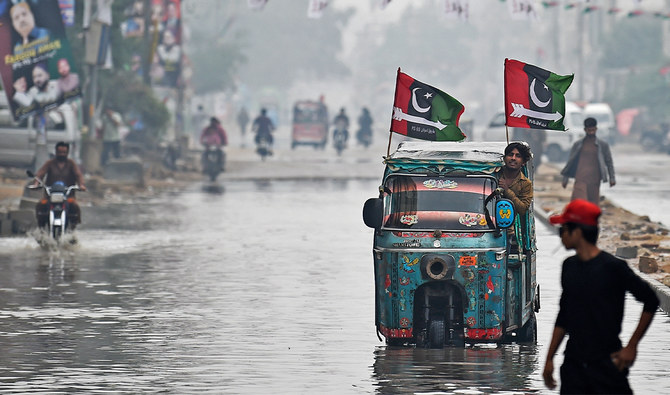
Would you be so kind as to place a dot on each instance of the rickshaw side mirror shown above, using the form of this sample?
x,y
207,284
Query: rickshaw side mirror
x,y
372,213
504,213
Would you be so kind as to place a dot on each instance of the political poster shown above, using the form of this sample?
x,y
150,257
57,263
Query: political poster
x,y
166,28
37,69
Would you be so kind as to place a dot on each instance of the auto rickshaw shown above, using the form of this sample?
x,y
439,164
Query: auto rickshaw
x,y
310,124
453,262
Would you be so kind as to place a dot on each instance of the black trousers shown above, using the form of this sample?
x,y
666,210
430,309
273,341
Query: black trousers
x,y
594,377
110,147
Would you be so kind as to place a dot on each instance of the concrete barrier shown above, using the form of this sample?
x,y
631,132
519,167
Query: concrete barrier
x,y
22,220
28,203
129,170
5,225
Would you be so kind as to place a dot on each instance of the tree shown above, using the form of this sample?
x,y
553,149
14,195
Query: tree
x,y
643,85
230,42
119,87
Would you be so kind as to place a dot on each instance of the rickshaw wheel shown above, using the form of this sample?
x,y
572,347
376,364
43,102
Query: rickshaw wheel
x,y
395,342
436,334
528,333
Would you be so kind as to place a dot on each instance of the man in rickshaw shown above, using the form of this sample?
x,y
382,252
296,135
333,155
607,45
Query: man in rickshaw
x,y
514,184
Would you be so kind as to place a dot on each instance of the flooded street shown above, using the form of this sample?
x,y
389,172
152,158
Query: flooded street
x,y
254,287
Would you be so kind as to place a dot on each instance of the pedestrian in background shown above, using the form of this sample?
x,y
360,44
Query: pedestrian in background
x,y
590,163
243,121
591,310
111,136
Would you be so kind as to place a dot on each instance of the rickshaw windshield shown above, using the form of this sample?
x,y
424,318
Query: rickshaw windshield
x,y
303,113
452,203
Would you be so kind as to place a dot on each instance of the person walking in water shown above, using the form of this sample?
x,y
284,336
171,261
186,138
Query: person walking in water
x,y
591,310
242,122
590,163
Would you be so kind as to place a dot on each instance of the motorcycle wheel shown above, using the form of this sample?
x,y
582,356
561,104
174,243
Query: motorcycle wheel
x,y
56,232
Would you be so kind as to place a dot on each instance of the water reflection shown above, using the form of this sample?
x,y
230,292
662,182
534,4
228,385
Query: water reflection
x,y
266,288
213,188
477,369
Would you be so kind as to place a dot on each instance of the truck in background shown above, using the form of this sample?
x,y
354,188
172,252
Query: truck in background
x,y
18,140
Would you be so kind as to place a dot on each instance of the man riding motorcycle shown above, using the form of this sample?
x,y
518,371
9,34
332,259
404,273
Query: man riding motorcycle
x,y
341,123
65,170
214,135
263,127
364,134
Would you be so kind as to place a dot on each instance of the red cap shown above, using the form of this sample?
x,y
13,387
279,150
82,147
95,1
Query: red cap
x,y
578,211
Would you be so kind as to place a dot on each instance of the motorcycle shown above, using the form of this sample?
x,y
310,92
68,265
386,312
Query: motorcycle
x,y
263,147
59,198
339,140
213,160
364,137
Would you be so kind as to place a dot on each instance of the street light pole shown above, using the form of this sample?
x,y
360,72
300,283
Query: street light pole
x,y
580,54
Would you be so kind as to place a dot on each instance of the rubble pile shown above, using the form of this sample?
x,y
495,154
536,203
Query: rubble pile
x,y
622,233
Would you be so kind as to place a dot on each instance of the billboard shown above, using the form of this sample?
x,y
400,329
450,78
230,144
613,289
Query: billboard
x,y
37,69
166,28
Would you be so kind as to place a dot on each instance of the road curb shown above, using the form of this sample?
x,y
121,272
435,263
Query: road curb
x,y
661,290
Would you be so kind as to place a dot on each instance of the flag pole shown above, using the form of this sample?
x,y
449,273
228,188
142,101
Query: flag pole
x,y
388,149
395,92
505,99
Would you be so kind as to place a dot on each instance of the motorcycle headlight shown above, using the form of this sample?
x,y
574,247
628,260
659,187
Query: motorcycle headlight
x,y
57,198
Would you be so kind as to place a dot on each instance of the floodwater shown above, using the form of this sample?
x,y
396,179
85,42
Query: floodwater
x,y
245,288
642,182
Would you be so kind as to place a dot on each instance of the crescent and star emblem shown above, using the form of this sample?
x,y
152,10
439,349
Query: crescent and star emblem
x,y
415,104
534,97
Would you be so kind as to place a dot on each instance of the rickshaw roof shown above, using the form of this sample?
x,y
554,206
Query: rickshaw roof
x,y
307,104
472,156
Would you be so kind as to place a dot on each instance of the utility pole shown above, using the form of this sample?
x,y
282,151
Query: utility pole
x,y
580,50
148,40
41,149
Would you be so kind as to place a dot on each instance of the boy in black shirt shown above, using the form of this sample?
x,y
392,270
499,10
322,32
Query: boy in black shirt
x,y
591,309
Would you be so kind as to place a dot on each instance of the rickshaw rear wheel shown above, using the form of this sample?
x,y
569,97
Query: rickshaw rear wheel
x,y
436,334
528,333
395,342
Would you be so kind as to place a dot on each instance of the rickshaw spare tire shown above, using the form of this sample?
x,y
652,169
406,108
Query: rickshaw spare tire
x,y
438,267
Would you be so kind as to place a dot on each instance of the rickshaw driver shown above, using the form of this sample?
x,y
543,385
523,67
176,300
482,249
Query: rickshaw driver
x,y
514,184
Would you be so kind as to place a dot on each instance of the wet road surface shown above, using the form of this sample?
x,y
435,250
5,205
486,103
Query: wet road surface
x,y
248,287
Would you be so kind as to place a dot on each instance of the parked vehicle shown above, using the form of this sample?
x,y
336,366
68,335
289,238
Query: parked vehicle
x,y
18,140
603,113
59,196
310,124
213,161
495,131
453,262
559,143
